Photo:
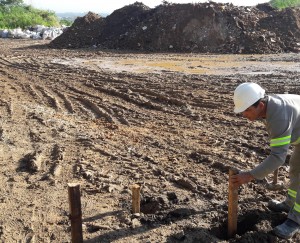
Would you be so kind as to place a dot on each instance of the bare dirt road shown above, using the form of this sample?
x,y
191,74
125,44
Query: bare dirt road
x,y
108,120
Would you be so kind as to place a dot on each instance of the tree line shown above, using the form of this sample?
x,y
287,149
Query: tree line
x,y
14,14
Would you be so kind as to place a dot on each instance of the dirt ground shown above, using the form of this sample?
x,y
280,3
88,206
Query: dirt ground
x,y
108,120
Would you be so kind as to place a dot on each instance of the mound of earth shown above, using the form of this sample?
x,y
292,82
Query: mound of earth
x,y
202,27
84,31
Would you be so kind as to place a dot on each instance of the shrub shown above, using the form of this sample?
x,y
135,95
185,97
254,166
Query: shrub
x,y
13,16
285,3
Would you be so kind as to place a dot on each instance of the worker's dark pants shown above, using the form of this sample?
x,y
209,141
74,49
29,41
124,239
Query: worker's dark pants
x,y
293,198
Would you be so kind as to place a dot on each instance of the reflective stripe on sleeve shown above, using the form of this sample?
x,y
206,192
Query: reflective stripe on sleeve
x,y
297,207
292,193
280,141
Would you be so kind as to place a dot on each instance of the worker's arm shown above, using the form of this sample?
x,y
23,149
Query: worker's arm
x,y
241,178
279,126
271,163
280,140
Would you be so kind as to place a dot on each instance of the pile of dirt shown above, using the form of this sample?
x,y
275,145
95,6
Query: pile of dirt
x,y
202,27
84,31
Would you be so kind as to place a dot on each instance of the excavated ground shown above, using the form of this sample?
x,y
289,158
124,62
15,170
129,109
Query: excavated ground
x,y
108,120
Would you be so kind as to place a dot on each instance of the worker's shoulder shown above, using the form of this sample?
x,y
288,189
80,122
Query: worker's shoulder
x,y
284,97
281,106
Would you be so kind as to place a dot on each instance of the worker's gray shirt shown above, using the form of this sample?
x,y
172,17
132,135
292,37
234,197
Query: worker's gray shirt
x,y
283,126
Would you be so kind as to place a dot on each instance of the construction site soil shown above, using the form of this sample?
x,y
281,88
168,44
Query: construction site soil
x,y
111,119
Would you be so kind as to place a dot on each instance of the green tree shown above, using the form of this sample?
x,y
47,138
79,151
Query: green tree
x,y
66,22
13,16
285,3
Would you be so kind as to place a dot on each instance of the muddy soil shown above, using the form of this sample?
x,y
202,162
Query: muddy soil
x,y
108,120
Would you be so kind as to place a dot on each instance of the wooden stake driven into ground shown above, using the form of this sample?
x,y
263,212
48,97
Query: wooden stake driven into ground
x,y
232,206
275,178
75,212
136,198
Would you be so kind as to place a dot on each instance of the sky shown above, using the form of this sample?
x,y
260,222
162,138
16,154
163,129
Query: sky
x,y
108,6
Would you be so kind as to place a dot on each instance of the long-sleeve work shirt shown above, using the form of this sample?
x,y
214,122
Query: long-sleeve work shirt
x,y
283,127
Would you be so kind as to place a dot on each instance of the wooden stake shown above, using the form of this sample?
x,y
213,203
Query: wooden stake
x,y
136,198
75,212
232,206
275,178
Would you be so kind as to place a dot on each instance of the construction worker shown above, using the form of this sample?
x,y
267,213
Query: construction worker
x,y
281,114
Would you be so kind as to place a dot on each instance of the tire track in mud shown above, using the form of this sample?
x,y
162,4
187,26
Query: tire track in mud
x,y
28,88
67,102
98,111
169,98
50,98
20,63
89,103
128,96
86,103
145,98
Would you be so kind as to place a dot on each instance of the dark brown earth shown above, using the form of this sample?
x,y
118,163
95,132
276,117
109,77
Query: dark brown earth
x,y
198,28
108,120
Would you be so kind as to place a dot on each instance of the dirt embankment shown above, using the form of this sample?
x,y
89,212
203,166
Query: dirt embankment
x,y
202,27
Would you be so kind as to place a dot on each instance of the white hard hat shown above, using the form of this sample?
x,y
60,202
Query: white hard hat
x,y
245,95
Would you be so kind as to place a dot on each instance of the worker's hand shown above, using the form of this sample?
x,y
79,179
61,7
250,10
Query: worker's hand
x,y
241,178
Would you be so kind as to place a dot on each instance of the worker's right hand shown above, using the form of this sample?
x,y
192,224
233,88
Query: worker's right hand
x,y
241,178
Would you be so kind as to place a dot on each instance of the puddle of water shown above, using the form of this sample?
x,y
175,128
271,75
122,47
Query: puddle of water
x,y
196,64
258,73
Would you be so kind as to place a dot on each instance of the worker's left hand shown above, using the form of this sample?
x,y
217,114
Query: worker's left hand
x,y
241,178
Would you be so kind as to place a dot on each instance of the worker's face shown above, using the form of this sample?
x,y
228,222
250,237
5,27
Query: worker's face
x,y
252,113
